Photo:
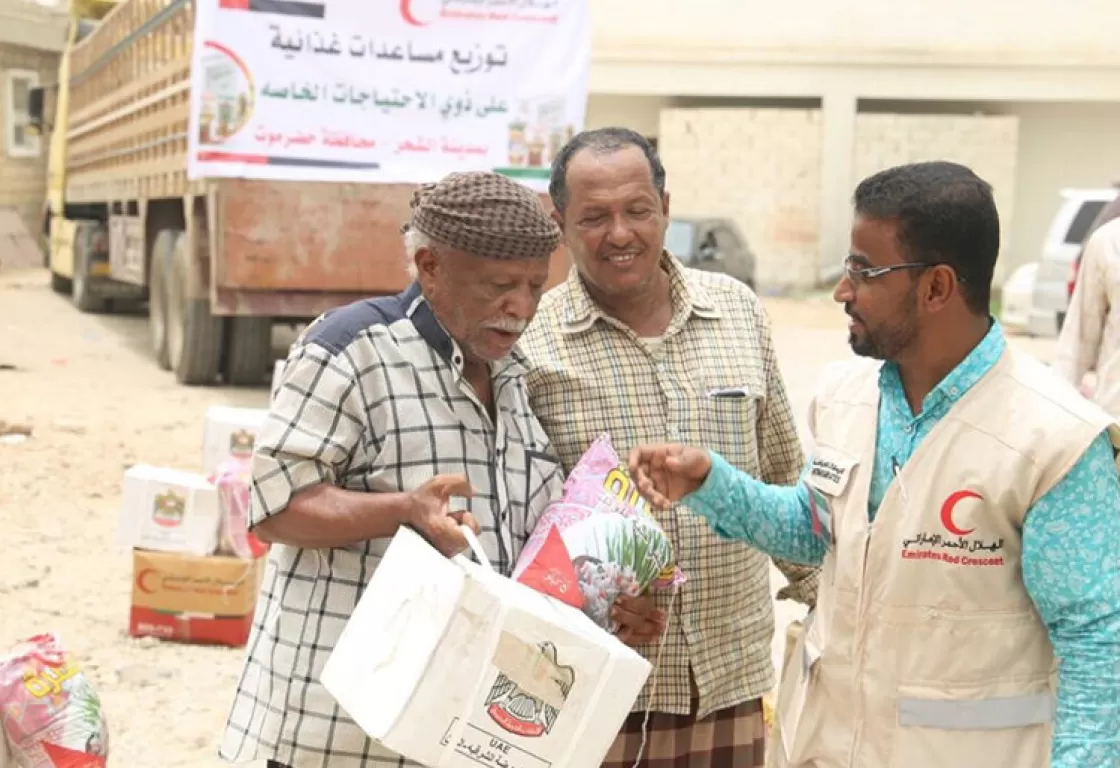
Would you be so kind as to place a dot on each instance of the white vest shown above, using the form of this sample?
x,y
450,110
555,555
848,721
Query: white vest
x,y
925,650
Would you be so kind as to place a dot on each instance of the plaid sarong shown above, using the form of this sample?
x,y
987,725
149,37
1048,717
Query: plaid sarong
x,y
730,737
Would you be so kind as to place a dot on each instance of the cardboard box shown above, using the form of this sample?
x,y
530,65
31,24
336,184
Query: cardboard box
x,y
169,510
202,600
448,663
229,431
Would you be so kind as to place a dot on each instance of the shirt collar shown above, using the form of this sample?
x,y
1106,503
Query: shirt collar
x,y
419,311
953,387
687,295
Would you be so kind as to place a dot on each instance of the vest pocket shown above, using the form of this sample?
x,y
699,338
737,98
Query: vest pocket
x,y
994,726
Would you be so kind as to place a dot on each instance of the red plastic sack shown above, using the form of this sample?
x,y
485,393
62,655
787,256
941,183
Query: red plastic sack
x,y
50,713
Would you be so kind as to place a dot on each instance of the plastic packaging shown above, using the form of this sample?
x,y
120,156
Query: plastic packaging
x,y
612,542
50,713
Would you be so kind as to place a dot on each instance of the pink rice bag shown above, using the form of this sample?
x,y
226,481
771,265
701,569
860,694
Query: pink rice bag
x,y
614,543
49,711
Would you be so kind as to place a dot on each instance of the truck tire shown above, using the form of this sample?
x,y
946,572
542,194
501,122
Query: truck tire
x,y
194,336
162,262
248,352
85,294
60,284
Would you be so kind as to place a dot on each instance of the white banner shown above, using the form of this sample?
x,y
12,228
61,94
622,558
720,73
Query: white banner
x,y
388,91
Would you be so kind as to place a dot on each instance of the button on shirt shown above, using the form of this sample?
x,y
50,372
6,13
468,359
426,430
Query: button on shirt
x,y
372,399
712,379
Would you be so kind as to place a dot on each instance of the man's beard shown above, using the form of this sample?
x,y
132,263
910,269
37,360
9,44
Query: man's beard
x,y
888,340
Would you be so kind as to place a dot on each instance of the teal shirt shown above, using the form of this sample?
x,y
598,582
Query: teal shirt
x,y
1070,549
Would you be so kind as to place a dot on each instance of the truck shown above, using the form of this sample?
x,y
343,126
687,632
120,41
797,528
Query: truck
x,y
216,261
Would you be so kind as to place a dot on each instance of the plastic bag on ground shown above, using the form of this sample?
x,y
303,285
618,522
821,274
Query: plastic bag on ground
x,y
609,537
49,711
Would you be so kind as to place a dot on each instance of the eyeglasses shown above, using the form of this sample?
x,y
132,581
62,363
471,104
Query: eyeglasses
x,y
857,275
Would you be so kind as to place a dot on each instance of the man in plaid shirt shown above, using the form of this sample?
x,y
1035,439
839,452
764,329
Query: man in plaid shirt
x,y
387,409
637,345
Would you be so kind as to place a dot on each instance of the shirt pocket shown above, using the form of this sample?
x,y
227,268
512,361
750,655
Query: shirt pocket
x,y
728,422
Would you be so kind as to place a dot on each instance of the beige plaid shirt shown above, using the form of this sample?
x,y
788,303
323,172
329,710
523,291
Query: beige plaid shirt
x,y
590,374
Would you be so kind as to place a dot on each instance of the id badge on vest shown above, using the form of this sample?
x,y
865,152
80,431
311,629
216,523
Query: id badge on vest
x,y
829,473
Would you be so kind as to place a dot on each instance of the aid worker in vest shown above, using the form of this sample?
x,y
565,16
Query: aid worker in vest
x,y
964,503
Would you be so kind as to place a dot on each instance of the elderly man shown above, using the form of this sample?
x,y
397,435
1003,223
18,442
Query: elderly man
x,y
964,501
387,409
638,346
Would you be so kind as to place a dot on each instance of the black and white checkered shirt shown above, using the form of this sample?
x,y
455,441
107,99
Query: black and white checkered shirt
x,y
372,399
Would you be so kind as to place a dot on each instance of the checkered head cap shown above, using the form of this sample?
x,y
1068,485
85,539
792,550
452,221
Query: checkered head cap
x,y
484,214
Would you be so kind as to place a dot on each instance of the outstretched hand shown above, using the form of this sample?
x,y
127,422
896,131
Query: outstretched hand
x,y
667,472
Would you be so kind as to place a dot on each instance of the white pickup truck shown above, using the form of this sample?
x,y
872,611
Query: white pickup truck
x,y
1057,268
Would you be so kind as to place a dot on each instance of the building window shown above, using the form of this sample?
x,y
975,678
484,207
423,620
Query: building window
x,y
21,140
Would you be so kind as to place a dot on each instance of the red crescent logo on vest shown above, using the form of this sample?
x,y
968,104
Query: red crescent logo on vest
x,y
948,508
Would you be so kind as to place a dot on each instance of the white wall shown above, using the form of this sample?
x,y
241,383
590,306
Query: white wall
x,y
759,167
642,113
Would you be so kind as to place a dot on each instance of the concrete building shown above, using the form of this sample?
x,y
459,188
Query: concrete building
x,y
771,114
31,38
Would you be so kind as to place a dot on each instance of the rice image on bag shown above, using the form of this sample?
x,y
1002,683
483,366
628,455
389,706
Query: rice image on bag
x,y
611,544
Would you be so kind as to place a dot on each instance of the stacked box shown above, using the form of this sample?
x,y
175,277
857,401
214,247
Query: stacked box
x,y
186,585
201,600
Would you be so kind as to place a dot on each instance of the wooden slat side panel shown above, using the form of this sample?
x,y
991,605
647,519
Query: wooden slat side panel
x,y
130,91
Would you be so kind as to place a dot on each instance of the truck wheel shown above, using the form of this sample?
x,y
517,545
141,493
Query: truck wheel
x,y
248,352
194,336
163,255
60,284
85,294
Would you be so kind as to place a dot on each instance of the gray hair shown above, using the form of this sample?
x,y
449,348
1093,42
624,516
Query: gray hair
x,y
414,240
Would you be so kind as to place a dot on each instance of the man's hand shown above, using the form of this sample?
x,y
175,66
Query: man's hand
x,y
432,518
667,473
639,620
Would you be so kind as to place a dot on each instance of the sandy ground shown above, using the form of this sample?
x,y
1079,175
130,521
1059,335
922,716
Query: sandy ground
x,y
97,404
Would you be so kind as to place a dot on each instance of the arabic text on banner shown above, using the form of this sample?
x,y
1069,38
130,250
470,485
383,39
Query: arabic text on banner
x,y
385,91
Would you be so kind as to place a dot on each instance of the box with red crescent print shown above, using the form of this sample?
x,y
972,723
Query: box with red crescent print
x,y
451,664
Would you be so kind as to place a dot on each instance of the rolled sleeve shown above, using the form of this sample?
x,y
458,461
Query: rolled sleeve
x,y
313,429
774,519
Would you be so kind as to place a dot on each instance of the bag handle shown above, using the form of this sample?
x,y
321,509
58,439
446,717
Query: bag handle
x,y
476,547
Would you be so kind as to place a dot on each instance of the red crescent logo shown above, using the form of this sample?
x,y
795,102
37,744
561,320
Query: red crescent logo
x,y
408,16
950,505
140,581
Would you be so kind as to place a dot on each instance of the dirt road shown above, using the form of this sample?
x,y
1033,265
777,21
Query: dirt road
x,y
96,404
